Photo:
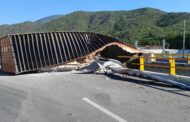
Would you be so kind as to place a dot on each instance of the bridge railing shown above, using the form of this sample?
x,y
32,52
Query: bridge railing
x,y
151,60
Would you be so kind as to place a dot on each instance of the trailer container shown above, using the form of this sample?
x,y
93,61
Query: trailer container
x,y
28,52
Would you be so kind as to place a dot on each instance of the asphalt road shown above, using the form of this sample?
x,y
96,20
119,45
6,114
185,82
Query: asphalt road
x,y
76,97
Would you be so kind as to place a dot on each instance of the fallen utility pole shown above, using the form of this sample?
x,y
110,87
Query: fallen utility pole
x,y
149,76
115,67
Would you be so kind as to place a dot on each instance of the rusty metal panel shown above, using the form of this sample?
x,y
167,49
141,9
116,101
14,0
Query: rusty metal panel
x,y
8,63
27,52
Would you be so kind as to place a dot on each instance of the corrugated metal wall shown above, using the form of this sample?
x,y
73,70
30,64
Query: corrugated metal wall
x,y
37,50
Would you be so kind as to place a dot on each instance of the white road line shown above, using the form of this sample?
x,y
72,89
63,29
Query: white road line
x,y
116,117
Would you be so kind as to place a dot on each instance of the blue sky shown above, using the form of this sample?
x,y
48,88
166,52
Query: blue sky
x,y
14,11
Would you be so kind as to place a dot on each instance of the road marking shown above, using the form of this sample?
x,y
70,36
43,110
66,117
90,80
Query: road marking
x,y
116,117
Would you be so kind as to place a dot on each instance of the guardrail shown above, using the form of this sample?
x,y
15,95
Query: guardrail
x,y
153,57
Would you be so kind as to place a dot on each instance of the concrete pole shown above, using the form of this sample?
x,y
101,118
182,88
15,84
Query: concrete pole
x,y
136,44
184,31
163,46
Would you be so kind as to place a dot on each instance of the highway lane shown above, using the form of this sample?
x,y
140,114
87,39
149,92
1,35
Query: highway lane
x,y
59,96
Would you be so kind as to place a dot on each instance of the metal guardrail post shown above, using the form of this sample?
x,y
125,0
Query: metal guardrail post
x,y
172,66
170,57
141,63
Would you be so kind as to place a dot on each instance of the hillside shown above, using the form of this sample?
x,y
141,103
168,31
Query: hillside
x,y
147,25
48,19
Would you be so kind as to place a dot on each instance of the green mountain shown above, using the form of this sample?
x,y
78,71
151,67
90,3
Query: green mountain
x,y
48,19
148,26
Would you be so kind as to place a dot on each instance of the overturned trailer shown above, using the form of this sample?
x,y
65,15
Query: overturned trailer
x,y
29,52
